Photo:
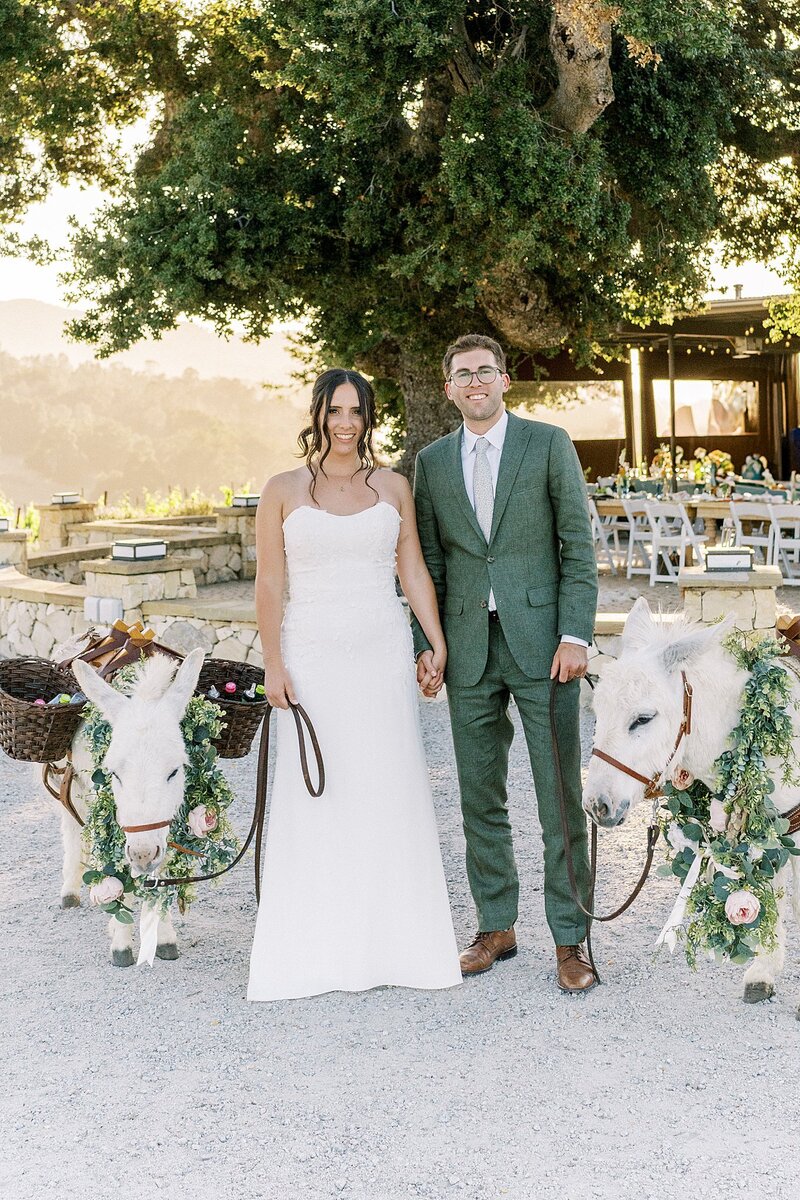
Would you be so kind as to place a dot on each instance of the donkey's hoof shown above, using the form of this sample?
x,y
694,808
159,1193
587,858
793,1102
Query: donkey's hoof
x,y
70,900
167,950
122,958
754,993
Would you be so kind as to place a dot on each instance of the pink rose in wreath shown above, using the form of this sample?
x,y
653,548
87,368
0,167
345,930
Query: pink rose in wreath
x,y
742,907
202,820
682,779
106,890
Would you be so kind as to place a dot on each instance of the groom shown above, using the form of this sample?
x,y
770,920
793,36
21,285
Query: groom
x,y
505,531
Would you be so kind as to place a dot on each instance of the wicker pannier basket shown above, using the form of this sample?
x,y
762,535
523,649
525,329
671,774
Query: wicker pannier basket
x,y
33,732
242,717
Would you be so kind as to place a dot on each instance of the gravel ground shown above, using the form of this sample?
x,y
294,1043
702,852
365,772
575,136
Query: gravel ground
x,y
660,1082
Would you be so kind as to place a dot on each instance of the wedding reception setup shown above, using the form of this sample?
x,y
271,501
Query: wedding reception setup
x,y
399,609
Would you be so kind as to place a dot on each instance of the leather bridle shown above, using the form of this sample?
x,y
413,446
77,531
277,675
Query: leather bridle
x,y
652,784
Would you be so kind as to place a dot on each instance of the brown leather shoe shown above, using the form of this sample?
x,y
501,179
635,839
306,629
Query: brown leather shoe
x,y
487,949
573,970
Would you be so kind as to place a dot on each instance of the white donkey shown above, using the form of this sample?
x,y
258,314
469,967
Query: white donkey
x,y
638,702
146,759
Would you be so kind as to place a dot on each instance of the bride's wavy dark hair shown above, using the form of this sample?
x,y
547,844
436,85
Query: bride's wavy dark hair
x,y
315,441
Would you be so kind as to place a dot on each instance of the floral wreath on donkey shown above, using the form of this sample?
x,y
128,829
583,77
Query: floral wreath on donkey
x,y
728,845
200,837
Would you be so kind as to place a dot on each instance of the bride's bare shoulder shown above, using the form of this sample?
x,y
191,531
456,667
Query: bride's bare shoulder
x,y
285,486
393,486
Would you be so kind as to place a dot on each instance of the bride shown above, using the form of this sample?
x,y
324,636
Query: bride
x,y
353,893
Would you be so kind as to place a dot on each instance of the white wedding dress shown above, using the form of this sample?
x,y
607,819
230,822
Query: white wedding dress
x,y
353,893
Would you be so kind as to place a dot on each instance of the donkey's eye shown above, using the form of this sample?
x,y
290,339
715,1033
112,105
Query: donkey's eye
x,y
173,774
639,721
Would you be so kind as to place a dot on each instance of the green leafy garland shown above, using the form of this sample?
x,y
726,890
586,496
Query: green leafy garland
x,y
205,785
736,829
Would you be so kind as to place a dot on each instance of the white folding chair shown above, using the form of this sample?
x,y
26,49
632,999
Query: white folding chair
x,y
639,536
671,532
756,514
785,522
600,537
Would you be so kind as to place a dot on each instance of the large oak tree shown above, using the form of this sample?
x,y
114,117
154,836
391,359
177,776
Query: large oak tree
x,y
399,171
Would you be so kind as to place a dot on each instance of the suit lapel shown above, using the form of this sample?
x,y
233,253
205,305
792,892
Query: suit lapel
x,y
516,441
455,477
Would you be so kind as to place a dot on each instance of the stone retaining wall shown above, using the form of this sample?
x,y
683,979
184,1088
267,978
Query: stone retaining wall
x,y
36,616
214,559
35,628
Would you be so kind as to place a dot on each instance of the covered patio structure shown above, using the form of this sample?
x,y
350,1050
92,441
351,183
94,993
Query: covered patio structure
x,y
733,390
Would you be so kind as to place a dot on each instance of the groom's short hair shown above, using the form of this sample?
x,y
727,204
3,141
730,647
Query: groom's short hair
x,y
473,341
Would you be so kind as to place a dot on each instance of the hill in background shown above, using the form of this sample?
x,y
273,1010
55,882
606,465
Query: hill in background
x,y
191,410
31,328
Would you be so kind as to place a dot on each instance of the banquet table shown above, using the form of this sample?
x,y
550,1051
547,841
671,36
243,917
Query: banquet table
x,y
710,512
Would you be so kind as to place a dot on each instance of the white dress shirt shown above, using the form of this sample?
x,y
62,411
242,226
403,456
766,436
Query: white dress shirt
x,y
495,436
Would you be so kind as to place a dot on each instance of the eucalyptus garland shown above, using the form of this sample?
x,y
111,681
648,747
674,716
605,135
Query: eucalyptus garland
x,y
200,825
735,830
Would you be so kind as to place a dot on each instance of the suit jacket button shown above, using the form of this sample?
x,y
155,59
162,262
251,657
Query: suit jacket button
x,y
490,558
484,603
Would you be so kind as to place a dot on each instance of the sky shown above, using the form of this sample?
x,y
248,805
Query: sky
x,y
23,280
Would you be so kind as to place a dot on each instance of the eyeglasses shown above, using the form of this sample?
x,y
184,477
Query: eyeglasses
x,y
463,377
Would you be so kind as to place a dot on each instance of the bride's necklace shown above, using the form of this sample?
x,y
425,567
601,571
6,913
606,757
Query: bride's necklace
x,y
339,481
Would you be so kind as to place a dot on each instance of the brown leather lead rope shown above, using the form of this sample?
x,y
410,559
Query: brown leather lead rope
x,y
301,718
652,840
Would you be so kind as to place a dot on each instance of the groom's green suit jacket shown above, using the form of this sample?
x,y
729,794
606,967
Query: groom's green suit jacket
x,y
539,560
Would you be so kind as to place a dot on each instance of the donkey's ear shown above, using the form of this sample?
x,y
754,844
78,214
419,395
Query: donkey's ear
x,y
110,702
685,651
180,691
638,629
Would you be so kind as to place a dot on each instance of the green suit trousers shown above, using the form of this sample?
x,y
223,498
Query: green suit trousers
x,y
482,734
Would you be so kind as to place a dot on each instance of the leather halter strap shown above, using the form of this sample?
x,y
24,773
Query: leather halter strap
x,y
145,828
653,784
648,780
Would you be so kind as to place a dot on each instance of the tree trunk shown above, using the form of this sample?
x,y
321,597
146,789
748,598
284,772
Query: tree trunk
x,y
429,414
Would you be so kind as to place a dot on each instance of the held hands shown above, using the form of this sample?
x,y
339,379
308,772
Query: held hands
x,y
571,661
430,671
278,686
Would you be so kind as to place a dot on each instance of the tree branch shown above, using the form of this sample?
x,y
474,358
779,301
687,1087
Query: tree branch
x,y
580,42
519,306
464,67
765,145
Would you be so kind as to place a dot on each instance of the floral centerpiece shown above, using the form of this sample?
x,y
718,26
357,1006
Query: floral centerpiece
x,y
727,845
709,467
661,464
200,841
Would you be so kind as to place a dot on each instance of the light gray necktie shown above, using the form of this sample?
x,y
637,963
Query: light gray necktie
x,y
482,487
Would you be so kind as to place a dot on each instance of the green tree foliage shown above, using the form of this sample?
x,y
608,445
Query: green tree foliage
x,y
405,170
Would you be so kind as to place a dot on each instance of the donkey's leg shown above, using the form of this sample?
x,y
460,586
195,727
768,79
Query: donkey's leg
x,y
121,939
167,942
72,872
762,974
